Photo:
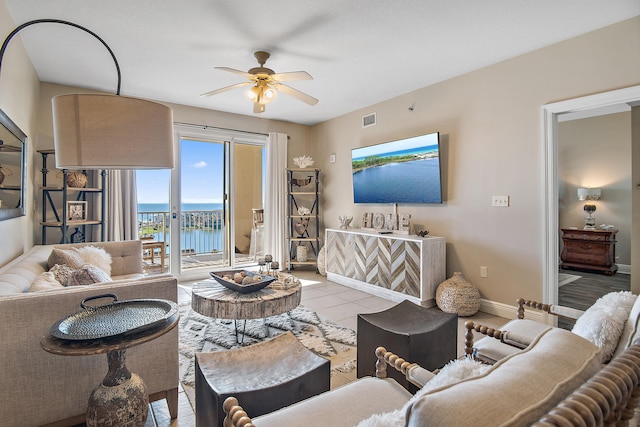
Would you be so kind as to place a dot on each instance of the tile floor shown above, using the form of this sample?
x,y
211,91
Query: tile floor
x,y
332,301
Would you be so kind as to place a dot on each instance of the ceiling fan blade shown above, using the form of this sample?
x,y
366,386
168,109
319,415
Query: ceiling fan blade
x,y
300,96
258,108
226,88
233,70
293,75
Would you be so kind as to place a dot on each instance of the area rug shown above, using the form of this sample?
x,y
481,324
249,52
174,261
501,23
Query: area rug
x,y
199,333
565,279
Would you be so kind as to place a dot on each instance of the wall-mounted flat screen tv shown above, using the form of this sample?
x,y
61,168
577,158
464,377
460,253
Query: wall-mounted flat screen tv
x,y
403,171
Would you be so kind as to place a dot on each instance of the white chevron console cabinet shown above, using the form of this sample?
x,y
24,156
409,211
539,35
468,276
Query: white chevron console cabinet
x,y
392,266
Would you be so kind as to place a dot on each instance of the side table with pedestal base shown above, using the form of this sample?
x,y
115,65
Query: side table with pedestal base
x,y
121,399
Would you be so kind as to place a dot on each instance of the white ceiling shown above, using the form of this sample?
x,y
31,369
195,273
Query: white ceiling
x,y
359,52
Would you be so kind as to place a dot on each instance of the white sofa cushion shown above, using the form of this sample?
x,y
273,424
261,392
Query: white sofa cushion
x,y
343,406
454,371
508,394
603,322
631,332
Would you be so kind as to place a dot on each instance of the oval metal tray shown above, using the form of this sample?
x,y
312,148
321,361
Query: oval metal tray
x,y
117,318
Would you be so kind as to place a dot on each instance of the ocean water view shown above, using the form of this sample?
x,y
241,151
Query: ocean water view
x,y
201,226
164,207
407,182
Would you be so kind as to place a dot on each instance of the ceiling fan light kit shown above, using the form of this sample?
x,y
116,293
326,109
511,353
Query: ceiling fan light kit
x,y
266,83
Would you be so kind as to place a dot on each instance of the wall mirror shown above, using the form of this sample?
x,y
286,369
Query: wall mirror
x,y
13,156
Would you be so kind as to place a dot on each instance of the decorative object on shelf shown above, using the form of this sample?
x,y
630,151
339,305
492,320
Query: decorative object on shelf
x,y
301,182
4,172
457,295
303,162
302,210
121,132
76,211
345,221
275,266
422,233
302,253
76,179
589,194
397,223
378,221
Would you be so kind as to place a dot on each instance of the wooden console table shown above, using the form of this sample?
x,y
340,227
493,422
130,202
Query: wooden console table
x,y
394,266
590,250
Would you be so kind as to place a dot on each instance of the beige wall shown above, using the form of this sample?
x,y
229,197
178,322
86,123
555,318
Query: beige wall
x,y
596,152
490,121
18,98
247,183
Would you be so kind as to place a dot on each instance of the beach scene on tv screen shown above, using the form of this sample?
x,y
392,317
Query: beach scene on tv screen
x,y
404,171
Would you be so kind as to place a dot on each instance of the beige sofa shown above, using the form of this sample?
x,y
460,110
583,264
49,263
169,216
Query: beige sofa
x,y
557,381
39,388
516,391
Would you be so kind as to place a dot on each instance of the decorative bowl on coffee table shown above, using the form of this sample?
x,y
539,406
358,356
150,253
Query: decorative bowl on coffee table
x,y
250,282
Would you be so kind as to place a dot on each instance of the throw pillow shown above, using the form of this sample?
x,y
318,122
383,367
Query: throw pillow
x,y
95,256
454,371
45,282
62,273
87,275
603,322
65,256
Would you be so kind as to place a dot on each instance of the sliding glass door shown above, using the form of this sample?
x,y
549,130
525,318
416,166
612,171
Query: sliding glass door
x,y
208,202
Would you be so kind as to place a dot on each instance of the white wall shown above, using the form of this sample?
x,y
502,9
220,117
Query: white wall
x,y
490,121
18,94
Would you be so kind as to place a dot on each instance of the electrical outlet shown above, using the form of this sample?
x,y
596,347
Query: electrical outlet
x,y
484,271
500,201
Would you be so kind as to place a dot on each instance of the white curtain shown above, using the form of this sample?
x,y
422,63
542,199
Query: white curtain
x,y
121,210
275,212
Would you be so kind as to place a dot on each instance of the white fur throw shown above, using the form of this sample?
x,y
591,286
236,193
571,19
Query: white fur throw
x,y
454,371
95,256
603,322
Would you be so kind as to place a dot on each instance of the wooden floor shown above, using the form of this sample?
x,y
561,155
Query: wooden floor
x,y
582,293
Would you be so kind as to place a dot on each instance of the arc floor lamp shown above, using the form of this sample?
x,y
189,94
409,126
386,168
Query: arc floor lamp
x,y
105,131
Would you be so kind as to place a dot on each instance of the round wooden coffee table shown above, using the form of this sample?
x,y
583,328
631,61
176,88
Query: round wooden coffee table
x,y
211,299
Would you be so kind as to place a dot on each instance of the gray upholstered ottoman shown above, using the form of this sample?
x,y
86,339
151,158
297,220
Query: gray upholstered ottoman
x,y
426,336
265,377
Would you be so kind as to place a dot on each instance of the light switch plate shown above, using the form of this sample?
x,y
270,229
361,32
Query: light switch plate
x,y
500,201
332,158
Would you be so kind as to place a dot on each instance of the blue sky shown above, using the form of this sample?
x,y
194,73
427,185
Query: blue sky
x,y
416,141
202,176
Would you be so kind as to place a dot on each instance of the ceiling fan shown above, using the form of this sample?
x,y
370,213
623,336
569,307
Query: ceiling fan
x,y
265,82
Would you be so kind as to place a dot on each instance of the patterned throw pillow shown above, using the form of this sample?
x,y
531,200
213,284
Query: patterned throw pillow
x,y
65,256
62,273
87,275
45,282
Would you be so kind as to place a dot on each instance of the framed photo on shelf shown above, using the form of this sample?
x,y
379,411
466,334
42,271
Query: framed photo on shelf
x,y
76,211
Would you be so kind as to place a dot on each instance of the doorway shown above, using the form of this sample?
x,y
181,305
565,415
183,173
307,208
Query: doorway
x,y
206,201
551,114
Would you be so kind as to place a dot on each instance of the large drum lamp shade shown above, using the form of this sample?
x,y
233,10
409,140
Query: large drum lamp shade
x,y
103,131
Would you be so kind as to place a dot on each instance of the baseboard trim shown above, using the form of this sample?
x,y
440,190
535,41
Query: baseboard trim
x,y
509,311
624,269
